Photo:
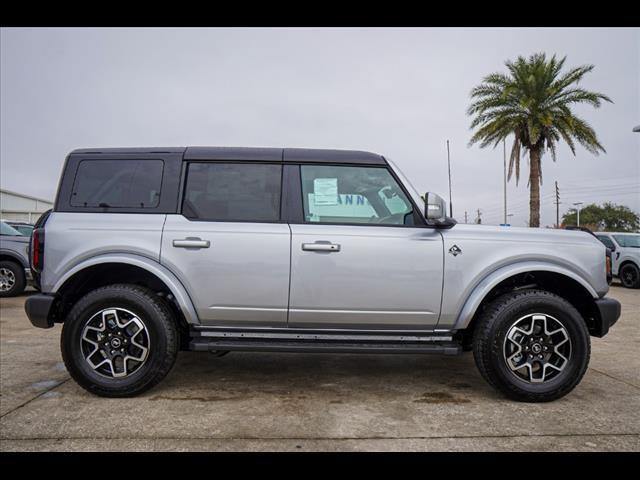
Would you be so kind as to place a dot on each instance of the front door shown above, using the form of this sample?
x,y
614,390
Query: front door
x,y
359,261
228,247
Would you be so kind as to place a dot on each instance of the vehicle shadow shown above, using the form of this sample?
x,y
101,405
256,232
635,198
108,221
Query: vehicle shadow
x,y
349,375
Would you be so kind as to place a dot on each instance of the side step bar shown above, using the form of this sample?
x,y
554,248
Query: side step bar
x,y
203,339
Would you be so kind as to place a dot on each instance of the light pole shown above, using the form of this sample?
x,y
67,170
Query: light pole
x,y
504,157
578,211
449,165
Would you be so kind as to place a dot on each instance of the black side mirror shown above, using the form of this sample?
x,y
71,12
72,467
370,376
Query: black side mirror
x,y
435,211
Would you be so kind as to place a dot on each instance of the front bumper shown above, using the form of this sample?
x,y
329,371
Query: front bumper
x,y
39,309
609,310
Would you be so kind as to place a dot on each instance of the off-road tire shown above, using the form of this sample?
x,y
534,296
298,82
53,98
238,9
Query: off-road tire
x,y
492,327
20,281
157,319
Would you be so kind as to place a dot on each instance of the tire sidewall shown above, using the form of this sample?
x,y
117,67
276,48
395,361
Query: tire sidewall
x,y
85,310
20,280
570,320
622,276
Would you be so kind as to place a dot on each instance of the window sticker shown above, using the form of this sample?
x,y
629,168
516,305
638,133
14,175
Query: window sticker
x,y
325,191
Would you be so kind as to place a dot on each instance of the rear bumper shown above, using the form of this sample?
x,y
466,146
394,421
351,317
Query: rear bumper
x,y
38,308
609,310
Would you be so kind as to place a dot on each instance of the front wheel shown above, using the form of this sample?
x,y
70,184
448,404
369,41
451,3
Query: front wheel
x,y
532,345
119,341
630,275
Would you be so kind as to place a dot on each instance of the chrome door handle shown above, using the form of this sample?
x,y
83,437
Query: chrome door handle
x,y
191,243
321,247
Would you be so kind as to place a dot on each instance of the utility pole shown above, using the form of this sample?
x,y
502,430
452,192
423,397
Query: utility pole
x,y
465,216
449,165
479,219
557,206
504,154
577,205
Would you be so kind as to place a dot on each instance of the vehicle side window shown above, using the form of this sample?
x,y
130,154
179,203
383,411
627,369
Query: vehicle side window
x,y
353,194
606,241
242,192
628,241
117,183
8,230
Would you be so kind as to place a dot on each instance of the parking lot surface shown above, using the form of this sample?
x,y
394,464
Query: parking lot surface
x,y
302,402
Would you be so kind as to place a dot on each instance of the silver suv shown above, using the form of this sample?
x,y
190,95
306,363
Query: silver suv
x,y
625,248
149,251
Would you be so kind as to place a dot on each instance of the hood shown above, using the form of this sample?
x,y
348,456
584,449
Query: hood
x,y
522,234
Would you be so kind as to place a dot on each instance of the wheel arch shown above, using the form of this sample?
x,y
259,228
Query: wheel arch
x,y
123,268
627,261
553,278
8,255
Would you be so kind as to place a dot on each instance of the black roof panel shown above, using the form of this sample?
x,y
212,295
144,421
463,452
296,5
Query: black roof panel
x,y
282,154
292,155
132,150
331,156
234,153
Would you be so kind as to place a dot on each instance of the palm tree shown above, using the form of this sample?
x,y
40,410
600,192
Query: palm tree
x,y
532,103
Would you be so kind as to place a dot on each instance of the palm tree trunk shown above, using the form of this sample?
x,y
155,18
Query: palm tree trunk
x,y
534,185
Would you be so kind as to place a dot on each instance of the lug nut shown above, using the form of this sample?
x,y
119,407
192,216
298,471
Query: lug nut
x,y
540,357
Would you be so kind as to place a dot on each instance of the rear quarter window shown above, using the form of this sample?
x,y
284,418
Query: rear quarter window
x,y
117,183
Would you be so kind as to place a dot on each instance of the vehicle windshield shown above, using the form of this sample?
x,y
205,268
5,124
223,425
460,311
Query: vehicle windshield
x,y
23,229
627,241
8,230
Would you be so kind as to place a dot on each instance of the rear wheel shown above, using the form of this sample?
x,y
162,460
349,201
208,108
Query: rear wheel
x,y
119,341
630,275
532,345
12,279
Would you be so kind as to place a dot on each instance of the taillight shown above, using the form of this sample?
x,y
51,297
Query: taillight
x,y
37,249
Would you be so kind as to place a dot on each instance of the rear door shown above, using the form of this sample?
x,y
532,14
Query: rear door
x,y
360,259
228,245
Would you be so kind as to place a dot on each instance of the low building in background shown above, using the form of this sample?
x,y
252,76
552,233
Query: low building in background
x,y
22,208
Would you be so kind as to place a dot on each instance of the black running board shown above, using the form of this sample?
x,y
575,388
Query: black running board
x,y
296,342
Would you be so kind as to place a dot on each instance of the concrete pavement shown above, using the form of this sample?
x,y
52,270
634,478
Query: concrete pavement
x,y
266,401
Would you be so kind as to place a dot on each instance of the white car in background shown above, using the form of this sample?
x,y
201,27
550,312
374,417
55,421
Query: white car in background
x,y
625,256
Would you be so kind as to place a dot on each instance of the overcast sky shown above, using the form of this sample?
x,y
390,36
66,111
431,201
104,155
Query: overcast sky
x,y
398,92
